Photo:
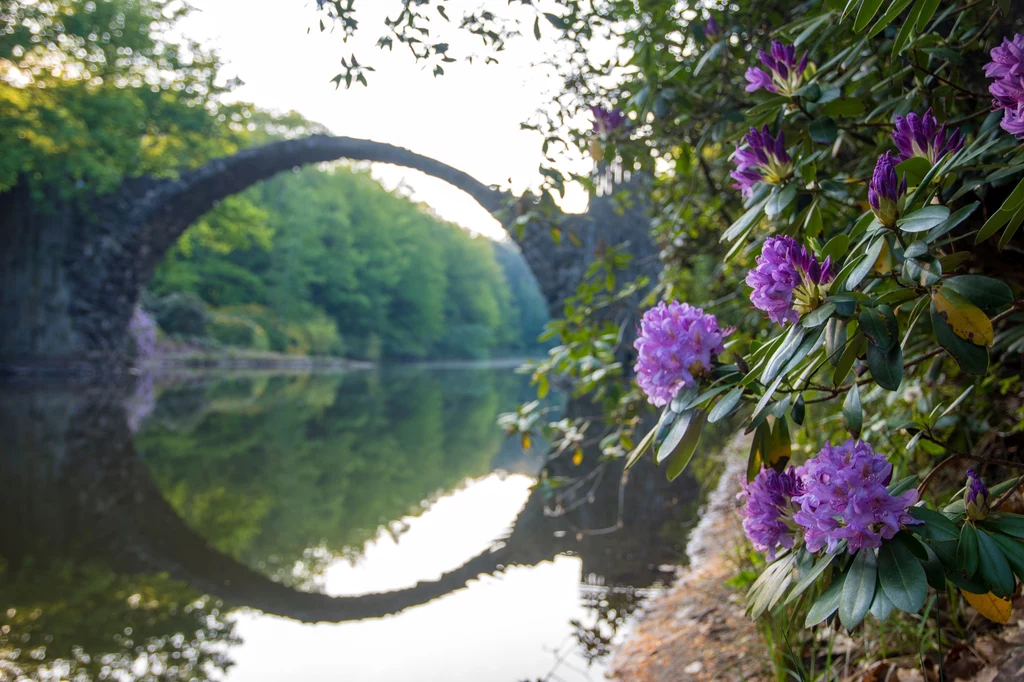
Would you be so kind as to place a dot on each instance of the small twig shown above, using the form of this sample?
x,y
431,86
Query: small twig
x,y
947,82
931,474
1006,496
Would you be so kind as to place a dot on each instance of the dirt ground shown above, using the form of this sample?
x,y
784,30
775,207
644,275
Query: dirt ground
x,y
697,631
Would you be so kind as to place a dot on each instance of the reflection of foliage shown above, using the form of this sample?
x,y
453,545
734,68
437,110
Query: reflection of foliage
x,y
320,461
83,622
611,608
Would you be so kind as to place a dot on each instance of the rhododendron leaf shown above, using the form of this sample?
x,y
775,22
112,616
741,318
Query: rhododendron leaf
x,y
922,272
971,358
835,337
995,570
886,366
779,446
967,550
674,437
903,485
867,11
988,294
906,30
824,130
1010,206
880,326
763,407
771,585
1011,228
865,266
951,222
853,412
996,609
799,410
858,588
902,577
936,526
745,221
639,450
891,13
881,607
916,249
923,219
783,354
933,569
817,316
965,319
846,360
811,576
681,456
1013,551
928,8
779,200
758,445
915,168
1011,524
725,405
827,603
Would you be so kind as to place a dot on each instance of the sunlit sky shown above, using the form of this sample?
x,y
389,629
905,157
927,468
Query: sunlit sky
x,y
468,118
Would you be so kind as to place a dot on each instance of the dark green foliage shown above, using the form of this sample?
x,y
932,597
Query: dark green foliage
x,y
182,314
330,262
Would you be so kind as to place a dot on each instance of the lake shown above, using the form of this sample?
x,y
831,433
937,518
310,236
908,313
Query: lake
x,y
371,525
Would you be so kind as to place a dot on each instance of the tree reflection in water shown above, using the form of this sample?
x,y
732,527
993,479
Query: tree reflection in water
x,y
103,574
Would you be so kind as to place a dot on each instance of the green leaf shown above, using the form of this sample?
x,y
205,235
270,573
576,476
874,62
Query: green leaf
x,y
886,366
639,450
836,248
726,404
682,455
811,577
853,412
824,130
902,577
782,355
951,222
916,249
758,445
933,569
880,326
994,568
1011,524
843,107
916,167
989,294
971,358
779,446
835,337
779,200
967,552
817,316
865,266
881,607
827,603
894,9
865,14
1013,551
744,221
847,359
674,437
936,526
763,407
1011,228
799,410
858,588
926,13
923,219
923,272
1010,206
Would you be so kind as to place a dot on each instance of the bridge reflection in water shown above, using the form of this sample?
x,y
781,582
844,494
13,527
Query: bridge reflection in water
x,y
246,510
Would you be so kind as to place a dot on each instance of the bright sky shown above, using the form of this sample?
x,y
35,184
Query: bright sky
x,y
468,118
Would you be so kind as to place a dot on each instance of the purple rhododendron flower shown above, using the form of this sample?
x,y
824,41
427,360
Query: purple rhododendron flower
x,y
784,75
976,497
712,31
885,190
786,271
923,136
769,508
606,121
676,346
764,158
1007,71
844,497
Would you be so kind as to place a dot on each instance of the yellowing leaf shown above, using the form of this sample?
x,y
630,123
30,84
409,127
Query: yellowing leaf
x,y
885,261
577,457
526,441
596,150
965,319
996,609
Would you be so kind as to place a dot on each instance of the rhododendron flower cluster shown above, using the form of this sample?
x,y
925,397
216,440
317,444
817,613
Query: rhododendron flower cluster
x,y
1007,71
839,495
676,345
845,498
923,136
788,281
768,514
764,158
784,75
885,190
712,31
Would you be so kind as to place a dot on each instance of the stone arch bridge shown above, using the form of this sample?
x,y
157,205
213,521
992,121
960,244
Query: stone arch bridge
x,y
71,271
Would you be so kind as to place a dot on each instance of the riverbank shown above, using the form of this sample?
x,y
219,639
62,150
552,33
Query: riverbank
x,y
697,631
234,359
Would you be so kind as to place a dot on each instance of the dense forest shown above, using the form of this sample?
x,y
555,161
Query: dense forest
x,y
327,262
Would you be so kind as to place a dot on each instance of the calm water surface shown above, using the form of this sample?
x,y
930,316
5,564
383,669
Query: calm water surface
x,y
364,526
